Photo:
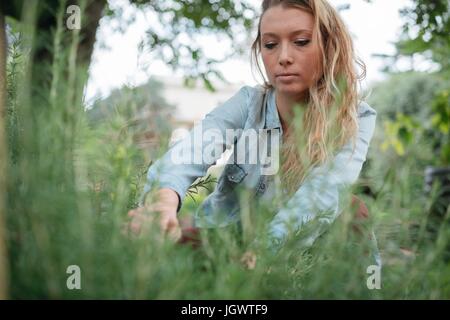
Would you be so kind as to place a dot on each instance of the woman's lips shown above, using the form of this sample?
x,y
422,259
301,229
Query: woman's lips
x,y
286,77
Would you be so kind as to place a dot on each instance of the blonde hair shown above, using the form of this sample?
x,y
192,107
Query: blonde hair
x,y
329,118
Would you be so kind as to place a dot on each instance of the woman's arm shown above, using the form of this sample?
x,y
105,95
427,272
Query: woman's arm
x,y
170,176
188,159
316,204
184,162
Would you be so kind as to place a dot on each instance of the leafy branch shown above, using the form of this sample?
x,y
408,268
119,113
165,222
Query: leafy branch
x,y
204,182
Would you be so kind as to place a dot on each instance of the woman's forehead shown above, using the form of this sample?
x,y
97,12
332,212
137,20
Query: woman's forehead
x,y
279,21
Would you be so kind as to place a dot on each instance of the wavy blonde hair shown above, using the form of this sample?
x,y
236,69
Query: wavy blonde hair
x,y
329,119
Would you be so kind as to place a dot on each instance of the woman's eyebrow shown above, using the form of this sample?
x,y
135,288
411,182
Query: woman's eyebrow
x,y
292,33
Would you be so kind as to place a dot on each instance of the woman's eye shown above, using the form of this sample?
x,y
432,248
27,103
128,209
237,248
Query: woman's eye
x,y
302,43
269,45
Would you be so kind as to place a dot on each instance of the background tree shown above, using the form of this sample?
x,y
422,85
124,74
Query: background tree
x,y
426,32
226,19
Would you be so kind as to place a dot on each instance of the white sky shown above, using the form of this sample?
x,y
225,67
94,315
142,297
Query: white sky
x,y
374,27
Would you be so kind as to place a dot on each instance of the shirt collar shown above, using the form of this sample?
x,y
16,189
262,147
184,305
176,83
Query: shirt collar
x,y
272,117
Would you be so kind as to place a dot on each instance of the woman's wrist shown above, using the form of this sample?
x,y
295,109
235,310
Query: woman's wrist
x,y
165,197
169,197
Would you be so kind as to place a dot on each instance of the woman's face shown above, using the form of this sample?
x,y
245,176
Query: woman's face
x,y
289,53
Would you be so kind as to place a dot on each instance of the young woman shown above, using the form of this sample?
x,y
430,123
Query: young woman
x,y
310,98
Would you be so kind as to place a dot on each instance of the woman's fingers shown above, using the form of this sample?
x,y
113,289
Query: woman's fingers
x,y
170,226
139,217
249,260
142,217
174,234
135,212
138,221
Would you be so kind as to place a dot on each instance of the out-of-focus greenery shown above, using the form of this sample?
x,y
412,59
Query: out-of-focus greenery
x,y
184,26
426,30
425,33
413,106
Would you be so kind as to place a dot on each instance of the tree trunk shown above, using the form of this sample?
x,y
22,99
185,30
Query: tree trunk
x,y
3,159
43,56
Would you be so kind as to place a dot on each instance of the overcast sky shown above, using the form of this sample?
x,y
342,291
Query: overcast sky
x,y
374,27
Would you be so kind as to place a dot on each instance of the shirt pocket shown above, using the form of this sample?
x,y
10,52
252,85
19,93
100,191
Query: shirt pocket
x,y
232,175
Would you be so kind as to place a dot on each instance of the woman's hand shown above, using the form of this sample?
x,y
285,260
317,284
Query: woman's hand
x,y
164,208
248,260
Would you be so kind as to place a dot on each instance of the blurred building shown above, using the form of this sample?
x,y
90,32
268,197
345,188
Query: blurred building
x,y
192,104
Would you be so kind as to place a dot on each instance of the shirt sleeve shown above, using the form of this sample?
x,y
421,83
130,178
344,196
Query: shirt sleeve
x,y
190,158
316,204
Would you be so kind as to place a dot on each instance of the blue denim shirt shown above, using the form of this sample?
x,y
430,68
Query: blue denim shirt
x,y
318,198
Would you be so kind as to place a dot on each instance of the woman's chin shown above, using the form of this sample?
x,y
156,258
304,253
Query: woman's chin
x,y
292,89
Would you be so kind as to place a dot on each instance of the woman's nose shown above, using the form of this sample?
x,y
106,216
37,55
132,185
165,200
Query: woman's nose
x,y
285,56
